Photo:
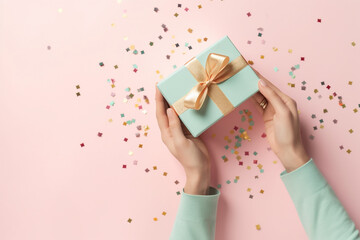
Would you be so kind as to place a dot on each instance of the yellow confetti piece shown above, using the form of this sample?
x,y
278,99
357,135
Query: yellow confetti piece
x,y
275,49
155,219
290,51
154,167
165,174
261,191
348,151
129,220
350,82
110,120
190,30
164,213
275,162
60,10
351,131
258,227
248,167
262,56
353,44
131,153
249,190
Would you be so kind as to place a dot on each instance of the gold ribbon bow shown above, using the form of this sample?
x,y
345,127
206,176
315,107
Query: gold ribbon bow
x,y
217,70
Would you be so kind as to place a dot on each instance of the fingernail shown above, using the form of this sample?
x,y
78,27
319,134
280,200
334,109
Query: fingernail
x,y
263,83
169,112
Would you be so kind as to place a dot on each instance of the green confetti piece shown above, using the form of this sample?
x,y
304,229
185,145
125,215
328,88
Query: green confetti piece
x,y
276,69
135,66
297,66
241,111
235,180
228,181
255,153
309,98
226,147
127,89
261,170
112,103
122,115
219,185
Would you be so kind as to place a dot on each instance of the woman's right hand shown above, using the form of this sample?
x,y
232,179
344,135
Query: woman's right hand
x,y
282,125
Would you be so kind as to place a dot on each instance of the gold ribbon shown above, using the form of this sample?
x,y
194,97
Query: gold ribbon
x,y
217,70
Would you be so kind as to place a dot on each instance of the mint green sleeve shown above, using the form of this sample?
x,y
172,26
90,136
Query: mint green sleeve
x,y
196,216
319,210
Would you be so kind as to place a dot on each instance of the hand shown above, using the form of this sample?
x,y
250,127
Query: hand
x,y
190,152
282,126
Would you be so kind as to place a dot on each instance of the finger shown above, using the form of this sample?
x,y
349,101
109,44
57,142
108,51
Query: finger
x,y
256,99
285,98
161,116
273,98
175,126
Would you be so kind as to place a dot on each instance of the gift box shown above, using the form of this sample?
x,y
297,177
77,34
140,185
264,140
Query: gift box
x,y
209,86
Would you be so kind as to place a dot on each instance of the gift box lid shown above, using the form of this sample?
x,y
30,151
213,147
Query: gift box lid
x,y
237,88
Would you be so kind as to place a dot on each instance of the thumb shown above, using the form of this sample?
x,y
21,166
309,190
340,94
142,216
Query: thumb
x,y
175,125
272,97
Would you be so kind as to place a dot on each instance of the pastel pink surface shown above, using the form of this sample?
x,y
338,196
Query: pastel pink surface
x,y
51,188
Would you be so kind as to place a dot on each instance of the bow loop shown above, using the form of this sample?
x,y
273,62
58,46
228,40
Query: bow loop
x,y
215,72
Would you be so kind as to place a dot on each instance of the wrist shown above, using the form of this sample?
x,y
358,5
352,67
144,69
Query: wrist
x,y
197,182
295,159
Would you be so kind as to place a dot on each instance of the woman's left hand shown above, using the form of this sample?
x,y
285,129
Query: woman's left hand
x,y
190,152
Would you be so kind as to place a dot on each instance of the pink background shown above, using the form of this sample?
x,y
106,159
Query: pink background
x,y
51,188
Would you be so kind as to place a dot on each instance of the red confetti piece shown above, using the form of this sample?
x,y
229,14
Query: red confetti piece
x,y
82,145
100,134
248,14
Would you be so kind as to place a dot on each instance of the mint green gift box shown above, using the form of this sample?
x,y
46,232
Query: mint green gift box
x,y
237,88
